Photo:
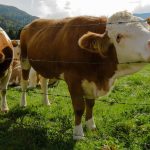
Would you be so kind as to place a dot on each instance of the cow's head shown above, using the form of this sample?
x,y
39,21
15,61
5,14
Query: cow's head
x,y
130,36
16,47
148,20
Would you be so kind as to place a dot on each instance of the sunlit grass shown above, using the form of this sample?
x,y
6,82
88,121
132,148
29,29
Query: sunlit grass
x,y
119,126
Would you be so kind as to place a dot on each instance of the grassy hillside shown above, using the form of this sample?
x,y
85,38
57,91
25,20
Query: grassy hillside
x,y
13,19
122,119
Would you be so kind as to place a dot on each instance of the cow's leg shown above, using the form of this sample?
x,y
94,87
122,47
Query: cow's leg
x,y
78,106
24,80
89,114
44,88
32,78
3,88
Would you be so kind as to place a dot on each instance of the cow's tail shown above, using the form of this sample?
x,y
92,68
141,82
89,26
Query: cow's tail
x,y
25,67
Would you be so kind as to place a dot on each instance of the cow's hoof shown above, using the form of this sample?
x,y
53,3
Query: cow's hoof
x,y
17,87
23,105
90,124
47,103
78,137
4,110
92,128
78,132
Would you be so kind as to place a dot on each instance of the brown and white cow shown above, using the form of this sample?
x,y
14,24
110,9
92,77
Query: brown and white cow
x,y
88,54
6,56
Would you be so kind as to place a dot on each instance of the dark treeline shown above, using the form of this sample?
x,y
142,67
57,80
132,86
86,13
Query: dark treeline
x,y
12,20
11,27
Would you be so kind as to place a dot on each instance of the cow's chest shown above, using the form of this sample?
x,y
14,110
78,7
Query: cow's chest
x,y
93,91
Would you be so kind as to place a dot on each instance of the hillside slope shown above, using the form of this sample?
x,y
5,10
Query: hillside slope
x,y
13,19
143,15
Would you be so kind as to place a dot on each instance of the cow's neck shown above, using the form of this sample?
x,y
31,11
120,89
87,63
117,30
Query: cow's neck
x,y
127,69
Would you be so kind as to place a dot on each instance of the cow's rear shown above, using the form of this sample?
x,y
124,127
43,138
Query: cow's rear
x,y
6,56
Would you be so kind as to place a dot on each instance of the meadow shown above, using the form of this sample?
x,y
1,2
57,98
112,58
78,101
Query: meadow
x,y
122,119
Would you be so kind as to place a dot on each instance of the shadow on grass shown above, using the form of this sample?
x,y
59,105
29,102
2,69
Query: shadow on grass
x,y
34,134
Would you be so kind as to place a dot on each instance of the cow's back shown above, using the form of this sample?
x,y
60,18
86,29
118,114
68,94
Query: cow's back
x,y
29,31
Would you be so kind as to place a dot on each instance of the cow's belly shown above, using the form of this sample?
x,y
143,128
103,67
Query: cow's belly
x,y
47,70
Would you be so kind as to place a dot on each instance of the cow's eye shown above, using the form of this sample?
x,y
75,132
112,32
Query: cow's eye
x,y
118,38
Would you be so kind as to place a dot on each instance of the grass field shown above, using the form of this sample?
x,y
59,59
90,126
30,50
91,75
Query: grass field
x,y
122,119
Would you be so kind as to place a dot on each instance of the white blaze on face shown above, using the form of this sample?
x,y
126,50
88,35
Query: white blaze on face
x,y
130,38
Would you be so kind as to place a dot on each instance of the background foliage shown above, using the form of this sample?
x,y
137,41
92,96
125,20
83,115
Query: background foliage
x,y
12,20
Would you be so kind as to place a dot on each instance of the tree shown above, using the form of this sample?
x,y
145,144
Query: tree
x,y
11,34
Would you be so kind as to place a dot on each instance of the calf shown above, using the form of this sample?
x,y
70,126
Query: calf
x,y
6,56
86,53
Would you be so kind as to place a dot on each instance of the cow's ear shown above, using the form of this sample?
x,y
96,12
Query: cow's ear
x,y
14,43
148,20
89,41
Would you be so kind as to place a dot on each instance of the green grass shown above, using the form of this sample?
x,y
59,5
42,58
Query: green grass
x,y
119,126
